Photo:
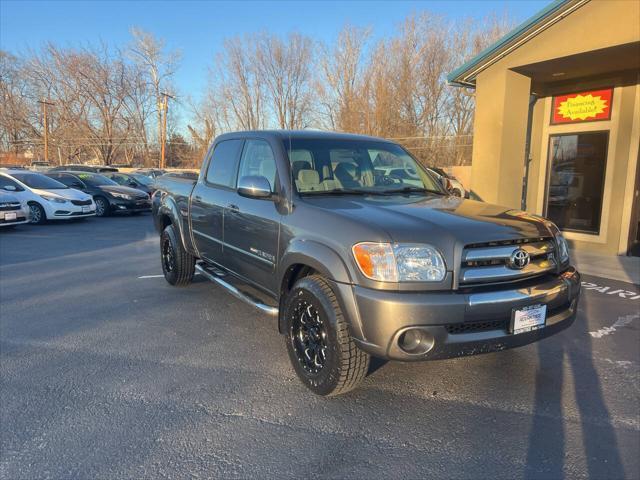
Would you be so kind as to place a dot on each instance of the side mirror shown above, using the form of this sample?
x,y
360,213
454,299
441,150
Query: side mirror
x,y
10,188
77,186
133,184
254,186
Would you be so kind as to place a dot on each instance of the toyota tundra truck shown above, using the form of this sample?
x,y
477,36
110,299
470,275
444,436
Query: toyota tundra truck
x,y
308,227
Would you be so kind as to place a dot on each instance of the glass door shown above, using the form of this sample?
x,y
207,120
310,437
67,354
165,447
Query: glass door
x,y
575,186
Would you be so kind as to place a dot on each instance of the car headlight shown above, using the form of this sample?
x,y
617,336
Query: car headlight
x,y
563,249
53,199
399,262
563,246
121,195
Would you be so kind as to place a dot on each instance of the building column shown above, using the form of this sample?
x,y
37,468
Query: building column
x,y
500,128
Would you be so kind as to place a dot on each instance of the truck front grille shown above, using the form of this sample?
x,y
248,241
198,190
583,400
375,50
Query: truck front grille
x,y
472,327
491,262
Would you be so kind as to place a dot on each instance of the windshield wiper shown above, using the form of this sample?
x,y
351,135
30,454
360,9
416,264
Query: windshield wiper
x,y
342,191
353,191
413,190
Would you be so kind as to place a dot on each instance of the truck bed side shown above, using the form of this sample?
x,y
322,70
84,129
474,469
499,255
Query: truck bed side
x,y
170,205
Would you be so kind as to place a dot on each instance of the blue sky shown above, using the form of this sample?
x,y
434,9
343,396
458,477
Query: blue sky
x,y
197,28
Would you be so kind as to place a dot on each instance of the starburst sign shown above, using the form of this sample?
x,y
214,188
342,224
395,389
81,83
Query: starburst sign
x,y
581,107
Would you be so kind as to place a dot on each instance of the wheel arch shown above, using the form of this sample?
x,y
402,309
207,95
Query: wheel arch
x,y
169,214
305,258
42,207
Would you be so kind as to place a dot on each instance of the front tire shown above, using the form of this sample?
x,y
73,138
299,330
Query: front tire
x,y
38,215
322,352
102,206
178,266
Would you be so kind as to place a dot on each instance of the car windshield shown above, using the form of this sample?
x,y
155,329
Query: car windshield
x,y
143,179
36,180
95,180
336,166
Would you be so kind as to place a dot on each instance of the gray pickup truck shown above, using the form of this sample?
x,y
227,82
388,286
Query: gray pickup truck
x,y
310,227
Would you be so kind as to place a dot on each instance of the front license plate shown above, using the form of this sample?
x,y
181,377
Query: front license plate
x,y
528,318
86,209
10,216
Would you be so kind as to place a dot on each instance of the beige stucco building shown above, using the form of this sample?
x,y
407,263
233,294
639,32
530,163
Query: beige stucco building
x,y
557,125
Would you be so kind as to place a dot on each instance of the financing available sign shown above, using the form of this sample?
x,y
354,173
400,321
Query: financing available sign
x,y
582,107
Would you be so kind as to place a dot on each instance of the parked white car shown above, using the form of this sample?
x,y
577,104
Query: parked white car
x,y
47,198
12,211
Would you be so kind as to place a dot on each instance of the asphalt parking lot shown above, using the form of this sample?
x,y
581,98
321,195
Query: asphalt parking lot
x,y
107,374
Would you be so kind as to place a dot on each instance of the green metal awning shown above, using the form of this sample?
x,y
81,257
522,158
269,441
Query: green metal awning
x,y
465,75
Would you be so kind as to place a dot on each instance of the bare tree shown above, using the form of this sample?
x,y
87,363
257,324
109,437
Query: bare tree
x,y
235,82
285,69
340,88
160,65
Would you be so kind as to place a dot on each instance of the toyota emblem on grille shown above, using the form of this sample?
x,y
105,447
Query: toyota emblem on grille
x,y
519,259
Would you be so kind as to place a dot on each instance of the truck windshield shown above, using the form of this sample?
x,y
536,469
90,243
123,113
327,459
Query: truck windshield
x,y
335,166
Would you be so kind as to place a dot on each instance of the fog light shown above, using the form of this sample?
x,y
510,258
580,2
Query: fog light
x,y
415,341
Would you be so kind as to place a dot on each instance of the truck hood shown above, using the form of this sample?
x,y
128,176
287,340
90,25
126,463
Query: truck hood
x,y
435,219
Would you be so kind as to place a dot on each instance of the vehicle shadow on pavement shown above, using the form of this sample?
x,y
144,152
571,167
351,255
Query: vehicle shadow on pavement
x,y
547,440
53,240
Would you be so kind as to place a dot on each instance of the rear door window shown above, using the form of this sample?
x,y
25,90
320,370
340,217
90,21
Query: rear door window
x,y
224,163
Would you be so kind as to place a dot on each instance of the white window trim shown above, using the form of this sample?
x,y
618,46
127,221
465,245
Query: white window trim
x,y
548,130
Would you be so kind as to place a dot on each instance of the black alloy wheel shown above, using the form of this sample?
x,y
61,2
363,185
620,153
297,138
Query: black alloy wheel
x,y
308,336
168,255
321,350
178,265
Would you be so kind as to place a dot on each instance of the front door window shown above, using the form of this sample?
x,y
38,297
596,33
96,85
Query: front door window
x,y
576,180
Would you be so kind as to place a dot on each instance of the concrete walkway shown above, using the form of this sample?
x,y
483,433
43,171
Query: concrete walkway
x,y
625,269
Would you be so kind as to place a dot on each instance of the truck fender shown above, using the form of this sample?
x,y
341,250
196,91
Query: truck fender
x,y
329,264
317,256
169,208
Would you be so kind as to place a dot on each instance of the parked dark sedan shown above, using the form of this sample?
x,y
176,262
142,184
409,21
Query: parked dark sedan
x,y
83,168
132,180
107,194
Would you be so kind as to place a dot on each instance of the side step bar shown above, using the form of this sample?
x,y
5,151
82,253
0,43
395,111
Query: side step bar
x,y
245,297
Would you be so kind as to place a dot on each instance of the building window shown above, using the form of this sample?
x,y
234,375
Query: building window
x,y
576,180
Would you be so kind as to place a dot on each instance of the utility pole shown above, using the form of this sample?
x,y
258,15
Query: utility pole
x,y
163,134
45,103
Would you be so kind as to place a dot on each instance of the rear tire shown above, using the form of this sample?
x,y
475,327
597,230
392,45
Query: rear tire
x,y
38,215
322,352
178,265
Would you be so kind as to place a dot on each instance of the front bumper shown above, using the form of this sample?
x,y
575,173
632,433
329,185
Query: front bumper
x,y
458,322
61,214
122,205
22,216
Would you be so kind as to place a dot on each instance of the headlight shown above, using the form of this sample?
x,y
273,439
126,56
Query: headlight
x,y
563,249
399,262
563,246
53,199
121,195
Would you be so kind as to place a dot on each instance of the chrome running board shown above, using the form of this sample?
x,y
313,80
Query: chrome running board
x,y
245,297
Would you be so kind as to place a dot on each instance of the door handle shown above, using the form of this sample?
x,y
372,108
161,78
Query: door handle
x,y
233,207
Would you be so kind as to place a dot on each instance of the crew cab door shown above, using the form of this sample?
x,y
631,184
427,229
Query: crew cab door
x,y
252,225
211,194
